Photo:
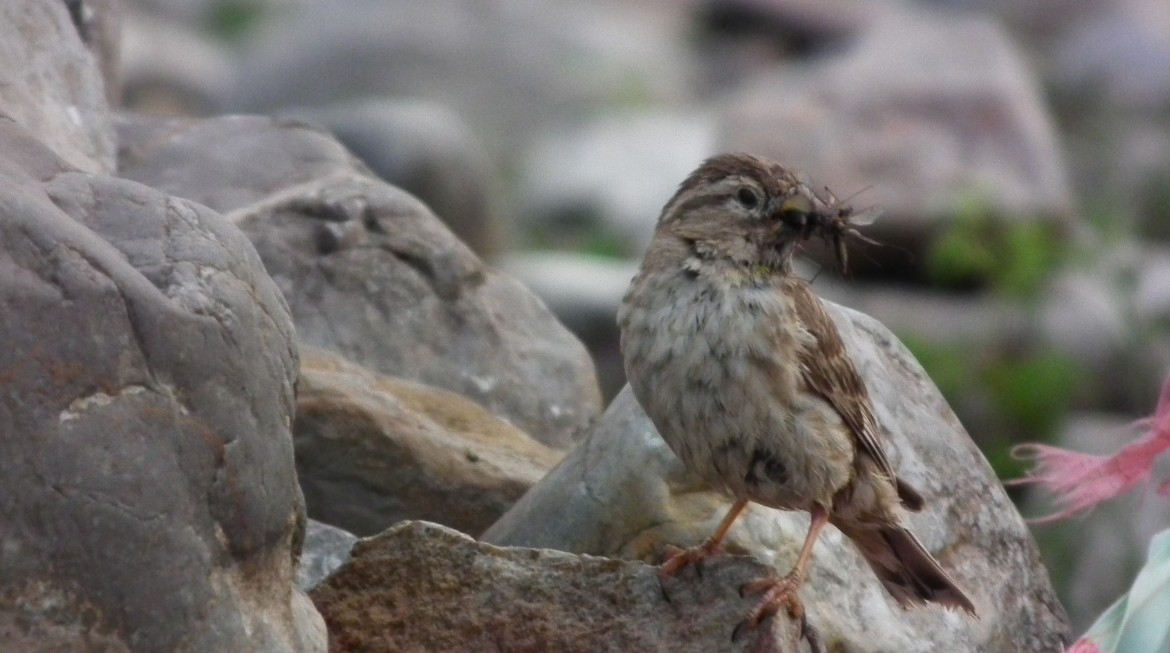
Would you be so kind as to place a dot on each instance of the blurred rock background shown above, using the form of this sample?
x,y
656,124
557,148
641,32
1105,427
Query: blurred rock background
x,y
1019,151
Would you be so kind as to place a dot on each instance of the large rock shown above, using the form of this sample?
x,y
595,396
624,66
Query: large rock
x,y
421,587
372,274
227,162
369,270
417,146
326,548
373,450
427,150
51,85
925,113
147,485
622,492
584,292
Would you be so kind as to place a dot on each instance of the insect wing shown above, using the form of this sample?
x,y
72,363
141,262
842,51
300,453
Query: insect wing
x,y
865,217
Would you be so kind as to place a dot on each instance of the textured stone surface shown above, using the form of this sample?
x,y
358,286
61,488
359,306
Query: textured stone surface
x,y
51,85
372,274
326,548
919,124
979,321
147,483
421,587
419,147
369,270
427,150
622,492
226,162
373,450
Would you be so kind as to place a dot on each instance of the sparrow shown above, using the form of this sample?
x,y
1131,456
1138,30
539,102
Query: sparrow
x,y
747,379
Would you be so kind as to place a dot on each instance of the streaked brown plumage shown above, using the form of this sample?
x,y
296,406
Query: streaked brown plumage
x,y
747,379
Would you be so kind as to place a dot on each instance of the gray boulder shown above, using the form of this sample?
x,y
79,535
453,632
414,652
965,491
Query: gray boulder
x,y
50,85
326,548
147,486
623,493
371,273
584,292
427,150
1116,57
227,162
1109,314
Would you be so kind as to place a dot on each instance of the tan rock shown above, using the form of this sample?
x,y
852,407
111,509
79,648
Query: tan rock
x,y
373,450
421,587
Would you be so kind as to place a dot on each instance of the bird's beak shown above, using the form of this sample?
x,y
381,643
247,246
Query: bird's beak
x,y
778,232
784,228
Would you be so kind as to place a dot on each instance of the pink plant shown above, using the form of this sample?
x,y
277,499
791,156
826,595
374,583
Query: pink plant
x,y
1081,481
1083,645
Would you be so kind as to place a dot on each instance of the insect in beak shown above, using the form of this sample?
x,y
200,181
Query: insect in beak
x,y
837,221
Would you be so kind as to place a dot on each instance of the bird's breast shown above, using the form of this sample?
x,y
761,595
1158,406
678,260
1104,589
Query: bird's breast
x,y
716,369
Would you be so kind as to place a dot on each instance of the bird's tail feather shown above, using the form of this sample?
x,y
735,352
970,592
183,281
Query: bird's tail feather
x,y
906,569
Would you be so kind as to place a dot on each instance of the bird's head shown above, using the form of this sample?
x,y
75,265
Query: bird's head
x,y
742,210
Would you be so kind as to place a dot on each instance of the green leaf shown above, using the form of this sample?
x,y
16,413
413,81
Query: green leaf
x,y
1035,391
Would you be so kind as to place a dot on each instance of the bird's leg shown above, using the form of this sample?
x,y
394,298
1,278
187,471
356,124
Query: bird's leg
x,y
682,558
782,591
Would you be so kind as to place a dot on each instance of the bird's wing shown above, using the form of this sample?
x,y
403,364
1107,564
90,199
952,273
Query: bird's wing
x,y
828,370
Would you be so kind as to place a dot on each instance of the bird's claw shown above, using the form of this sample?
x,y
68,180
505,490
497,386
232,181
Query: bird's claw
x,y
766,641
777,592
811,636
678,559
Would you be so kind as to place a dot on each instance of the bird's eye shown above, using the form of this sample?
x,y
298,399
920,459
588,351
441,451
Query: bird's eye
x,y
748,197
